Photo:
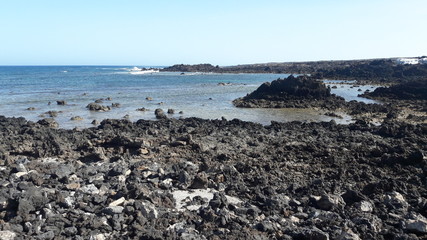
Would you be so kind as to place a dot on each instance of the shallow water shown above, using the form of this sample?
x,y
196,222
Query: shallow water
x,y
197,95
350,90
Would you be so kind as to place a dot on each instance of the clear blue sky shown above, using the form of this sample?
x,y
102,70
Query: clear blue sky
x,y
160,32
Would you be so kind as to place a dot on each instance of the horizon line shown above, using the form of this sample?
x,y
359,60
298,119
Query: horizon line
x,y
155,65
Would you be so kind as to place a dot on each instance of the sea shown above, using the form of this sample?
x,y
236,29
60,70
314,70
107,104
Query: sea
x,y
32,91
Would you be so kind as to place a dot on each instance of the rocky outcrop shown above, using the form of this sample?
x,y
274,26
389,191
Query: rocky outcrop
x,y
381,70
385,70
414,90
292,92
192,68
213,179
160,114
307,92
98,107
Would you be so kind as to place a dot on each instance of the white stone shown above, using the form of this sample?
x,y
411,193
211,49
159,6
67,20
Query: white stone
x,y
180,197
20,174
90,189
365,206
114,209
149,211
97,237
21,168
396,199
122,178
69,201
294,219
118,202
7,235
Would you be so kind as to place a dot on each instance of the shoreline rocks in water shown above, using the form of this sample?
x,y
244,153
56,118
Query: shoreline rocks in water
x,y
98,107
409,99
405,102
413,90
292,92
213,179
386,70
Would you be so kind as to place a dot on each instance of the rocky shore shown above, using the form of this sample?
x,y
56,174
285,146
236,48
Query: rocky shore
x,y
291,92
383,71
307,92
213,179
409,98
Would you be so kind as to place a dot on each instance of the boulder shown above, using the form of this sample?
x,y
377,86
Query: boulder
x,y
76,118
330,201
7,235
395,200
113,210
160,114
98,107
415,223
49,122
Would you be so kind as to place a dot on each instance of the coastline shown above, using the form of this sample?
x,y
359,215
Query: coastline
x,y
194,178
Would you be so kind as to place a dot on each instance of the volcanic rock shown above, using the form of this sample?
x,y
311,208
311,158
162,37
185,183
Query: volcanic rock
x,y
160,114
294,92
98,107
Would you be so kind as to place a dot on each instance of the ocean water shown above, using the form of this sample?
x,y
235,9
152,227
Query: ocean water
x,y
195,94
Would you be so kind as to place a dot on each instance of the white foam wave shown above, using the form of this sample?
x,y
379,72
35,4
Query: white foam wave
x,y
149,71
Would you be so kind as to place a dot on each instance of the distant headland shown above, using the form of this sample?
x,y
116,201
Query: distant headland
x,y
383,70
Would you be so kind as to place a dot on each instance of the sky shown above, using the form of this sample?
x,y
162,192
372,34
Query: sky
x,y
220,32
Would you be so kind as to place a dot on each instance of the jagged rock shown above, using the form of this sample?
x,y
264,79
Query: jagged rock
x,y
314,234
113,210
219,200
76,118
395,200
98,107
415,223
148,210
200,181
90,189
49,122
61,102
160,114
294,92
330,201
365,206
348,236
413,90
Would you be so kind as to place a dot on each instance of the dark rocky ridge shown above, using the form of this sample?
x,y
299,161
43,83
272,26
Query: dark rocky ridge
x,y
414,90
294,180
409,97
292,92
373,70
384,70
307,92
192,68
